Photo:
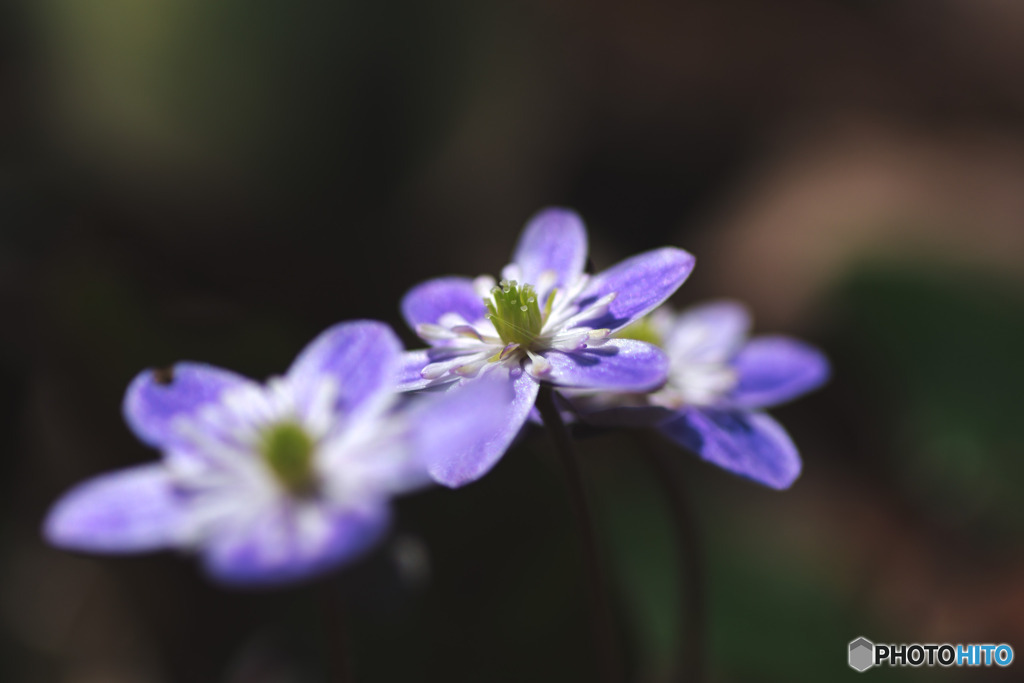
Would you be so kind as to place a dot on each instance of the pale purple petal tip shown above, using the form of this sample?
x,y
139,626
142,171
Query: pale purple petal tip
x,y
279,548
752,445
615,365
413,362
363,357
156,398
773,370
129,511
553,240
428,301
711,332
478,450
641,283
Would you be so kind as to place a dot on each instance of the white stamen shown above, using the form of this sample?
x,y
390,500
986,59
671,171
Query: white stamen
x,y
508,351
439,369
470,369
539,364
483,286
435,370
570,341
451,320
432,332
696,384
511,272
595,310
546,281
467,331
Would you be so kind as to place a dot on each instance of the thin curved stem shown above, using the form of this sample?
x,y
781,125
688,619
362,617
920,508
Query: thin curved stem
x,y
602,624
692,609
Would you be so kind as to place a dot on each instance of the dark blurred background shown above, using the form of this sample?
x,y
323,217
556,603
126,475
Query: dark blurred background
x,y
182,179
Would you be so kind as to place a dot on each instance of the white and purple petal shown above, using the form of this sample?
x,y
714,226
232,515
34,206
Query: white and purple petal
x,y
711,332
775,369
458,421
129,511
478,450
553,241
362,358
410,377
614,365
640,284
287,543
156,399
428,301
752,445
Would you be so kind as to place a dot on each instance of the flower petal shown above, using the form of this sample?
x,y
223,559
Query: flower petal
x,y
428,301
777,369
615,365
458,421
640,283
363,357
292,543
155,398
553,240
752,445
709,333
413,362
410,377
129,511
481,446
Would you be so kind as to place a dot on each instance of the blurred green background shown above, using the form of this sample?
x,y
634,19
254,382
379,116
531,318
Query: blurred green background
x,y
222,180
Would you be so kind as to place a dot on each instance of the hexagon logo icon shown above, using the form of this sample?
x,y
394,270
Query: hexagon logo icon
x,y
862,654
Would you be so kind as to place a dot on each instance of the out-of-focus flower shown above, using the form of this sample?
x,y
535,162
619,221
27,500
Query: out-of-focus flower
x,y
547,321
719,382
275,482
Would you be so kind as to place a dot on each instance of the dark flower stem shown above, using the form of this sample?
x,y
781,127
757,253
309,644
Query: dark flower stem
x,y
692,625
339,657
602,625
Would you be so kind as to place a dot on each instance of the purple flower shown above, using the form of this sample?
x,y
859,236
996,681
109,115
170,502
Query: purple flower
x,y
275,482
718,384
547,321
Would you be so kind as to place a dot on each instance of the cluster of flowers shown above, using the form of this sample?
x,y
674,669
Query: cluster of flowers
x,y
276,482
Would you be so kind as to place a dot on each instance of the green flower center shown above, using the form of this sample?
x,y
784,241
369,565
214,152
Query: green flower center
x,y
515,312
288,451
